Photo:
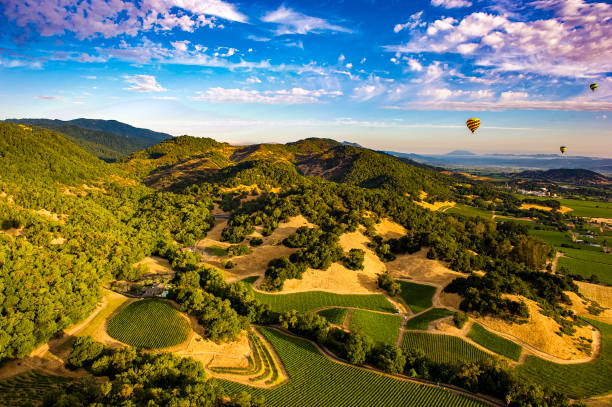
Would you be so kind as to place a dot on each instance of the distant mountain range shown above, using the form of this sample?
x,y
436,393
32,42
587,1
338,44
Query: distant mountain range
x,y
108,140
461,159
570,176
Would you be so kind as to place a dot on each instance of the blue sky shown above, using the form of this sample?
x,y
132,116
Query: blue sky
x,y
398,75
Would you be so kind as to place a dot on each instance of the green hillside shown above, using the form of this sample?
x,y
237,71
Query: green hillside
x,y
108,140
200,159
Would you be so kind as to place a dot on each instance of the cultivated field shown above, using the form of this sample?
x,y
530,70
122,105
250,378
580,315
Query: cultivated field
x,y
494,342
335,315
443,348
470,211
316,381
150,324
422,321
577,380
417,296
380,327
312,300
28,389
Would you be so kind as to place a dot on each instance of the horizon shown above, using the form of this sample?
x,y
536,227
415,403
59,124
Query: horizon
x,y
390,77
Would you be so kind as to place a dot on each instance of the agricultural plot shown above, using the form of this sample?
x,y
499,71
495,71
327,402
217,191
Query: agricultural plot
x,y
380,327
311,300
422,321
150,324
443,348
589,209
262,365
585,268
316,381
334,315
216,251
417,296
470,211
495,343
552,237
577,380
29,388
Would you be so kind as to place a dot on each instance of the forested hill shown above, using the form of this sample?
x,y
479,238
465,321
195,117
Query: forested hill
x,y
36,155
106,139
188,159
567,175
68,223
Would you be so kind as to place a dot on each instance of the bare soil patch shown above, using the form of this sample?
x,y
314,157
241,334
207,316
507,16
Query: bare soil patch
x,y
389,229
339,279
579,306
156,265
540,333
526,206
14,232
257,261
418,268
436,205
600,293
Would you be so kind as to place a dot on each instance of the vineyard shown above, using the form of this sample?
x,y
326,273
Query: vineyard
x,y
150,324
262,365
577,380
27,389
494,342
380,327
335,315
443,348
422,321
312,300
417,296
316,381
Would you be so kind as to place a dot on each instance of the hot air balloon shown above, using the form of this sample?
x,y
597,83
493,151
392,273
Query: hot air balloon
x,y
563,149
593,86
473,123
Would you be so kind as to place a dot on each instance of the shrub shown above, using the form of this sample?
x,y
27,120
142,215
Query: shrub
x,y
460,318
354,259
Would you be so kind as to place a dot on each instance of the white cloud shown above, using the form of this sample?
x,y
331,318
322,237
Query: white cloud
x,y
466,48
413,22
180,45
49,97
293,22
415,65
437,26
451,3
93,18
283,96
143,83
563,105
348,66
230,51
572,41
165,97
373,87
253,79
341,58
510,95
258,39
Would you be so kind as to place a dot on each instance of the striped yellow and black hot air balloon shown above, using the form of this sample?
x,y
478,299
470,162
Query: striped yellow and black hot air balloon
x,y
593,86
563,149
473,123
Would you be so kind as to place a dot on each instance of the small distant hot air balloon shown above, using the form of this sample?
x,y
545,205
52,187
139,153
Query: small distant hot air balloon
x,y
473,123
563,149
593,86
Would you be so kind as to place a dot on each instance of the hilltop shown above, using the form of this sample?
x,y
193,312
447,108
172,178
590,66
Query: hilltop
x,y
189,159
109,140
